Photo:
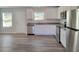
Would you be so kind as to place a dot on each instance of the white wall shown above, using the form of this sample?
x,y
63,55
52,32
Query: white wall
x,y
19,17
18,20
50,13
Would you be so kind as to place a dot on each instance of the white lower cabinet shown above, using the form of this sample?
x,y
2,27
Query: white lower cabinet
x,y
44,29
63,36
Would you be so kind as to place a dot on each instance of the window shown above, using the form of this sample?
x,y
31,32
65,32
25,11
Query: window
x,y
39,16
7,19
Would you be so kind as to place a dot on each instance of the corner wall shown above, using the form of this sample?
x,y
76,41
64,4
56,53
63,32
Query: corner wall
x,y
18,20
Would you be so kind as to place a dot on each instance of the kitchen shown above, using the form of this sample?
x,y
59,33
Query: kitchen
x,y
36,24
41,22
60,30
48,15
48,25
39,29
58,24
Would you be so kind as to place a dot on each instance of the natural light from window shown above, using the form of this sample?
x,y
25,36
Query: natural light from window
x,y
39,16
7,19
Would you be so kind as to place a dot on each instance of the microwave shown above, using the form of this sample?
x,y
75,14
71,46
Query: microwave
x,y
63,15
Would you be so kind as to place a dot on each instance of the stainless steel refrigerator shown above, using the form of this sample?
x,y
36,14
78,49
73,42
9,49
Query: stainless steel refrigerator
x,y
73,30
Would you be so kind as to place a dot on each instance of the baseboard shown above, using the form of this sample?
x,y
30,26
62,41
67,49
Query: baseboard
x,y
12,33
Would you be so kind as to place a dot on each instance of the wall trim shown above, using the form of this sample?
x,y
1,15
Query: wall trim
x,y
12,33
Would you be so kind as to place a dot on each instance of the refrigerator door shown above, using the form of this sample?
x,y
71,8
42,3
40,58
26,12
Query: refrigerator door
x,y
77,45
73,19
73,30
72,41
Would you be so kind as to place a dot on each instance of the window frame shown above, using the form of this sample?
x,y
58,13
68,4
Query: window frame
x,y
38,19
8,20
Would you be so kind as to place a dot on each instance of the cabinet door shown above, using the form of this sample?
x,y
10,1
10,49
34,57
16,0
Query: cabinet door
x,y
63,37
45,29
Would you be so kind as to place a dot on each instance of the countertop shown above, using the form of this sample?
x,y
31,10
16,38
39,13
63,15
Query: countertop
x,y
57,24
47,22
44,21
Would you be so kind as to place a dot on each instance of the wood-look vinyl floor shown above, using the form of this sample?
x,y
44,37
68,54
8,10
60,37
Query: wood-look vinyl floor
x,y
30,43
